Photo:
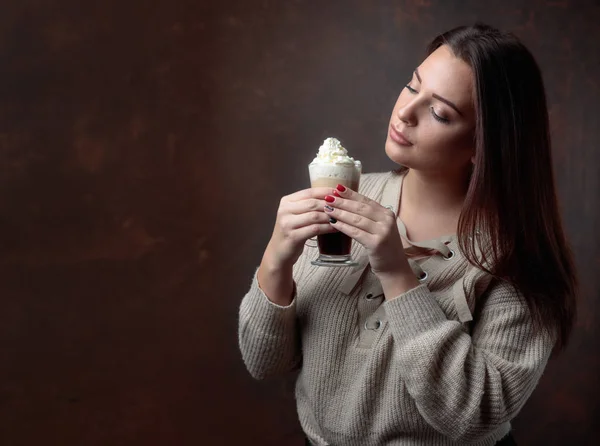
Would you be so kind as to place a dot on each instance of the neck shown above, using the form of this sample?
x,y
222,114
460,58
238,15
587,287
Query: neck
x,y
434,193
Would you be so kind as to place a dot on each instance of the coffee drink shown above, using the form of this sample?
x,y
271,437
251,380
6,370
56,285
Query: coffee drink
x,y
331,167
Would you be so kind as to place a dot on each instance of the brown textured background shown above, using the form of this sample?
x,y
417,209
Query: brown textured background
x,y
143,150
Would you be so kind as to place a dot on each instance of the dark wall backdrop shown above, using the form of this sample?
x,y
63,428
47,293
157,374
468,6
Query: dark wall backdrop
x,y
143,149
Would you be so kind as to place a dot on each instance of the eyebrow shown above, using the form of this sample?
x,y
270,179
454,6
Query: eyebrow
x,y
437,96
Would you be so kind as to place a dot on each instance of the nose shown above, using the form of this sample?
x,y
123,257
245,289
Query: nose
x,y
407,113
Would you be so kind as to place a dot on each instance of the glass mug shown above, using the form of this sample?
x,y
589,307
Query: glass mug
x,y
334,248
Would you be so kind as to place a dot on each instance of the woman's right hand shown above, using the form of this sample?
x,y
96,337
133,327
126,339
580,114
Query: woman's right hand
x,y
300,216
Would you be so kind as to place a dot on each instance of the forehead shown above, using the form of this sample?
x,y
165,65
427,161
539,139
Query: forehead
x,y
445,74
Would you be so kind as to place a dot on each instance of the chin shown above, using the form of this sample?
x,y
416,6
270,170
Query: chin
x,y
397,154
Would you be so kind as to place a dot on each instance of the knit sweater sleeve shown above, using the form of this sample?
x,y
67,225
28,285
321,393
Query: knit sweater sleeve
x,y
467,385
268,333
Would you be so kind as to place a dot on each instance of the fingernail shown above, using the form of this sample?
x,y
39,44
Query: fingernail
x,y
329,199
332,220
336,193
328,208
340,188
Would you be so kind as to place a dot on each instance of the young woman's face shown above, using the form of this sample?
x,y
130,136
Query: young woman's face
x,y
433,123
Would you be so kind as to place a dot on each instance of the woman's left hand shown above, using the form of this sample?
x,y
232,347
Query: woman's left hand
x,y
371,225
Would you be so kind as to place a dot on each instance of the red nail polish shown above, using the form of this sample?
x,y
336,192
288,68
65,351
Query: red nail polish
x,y
329,199
335,192
340,188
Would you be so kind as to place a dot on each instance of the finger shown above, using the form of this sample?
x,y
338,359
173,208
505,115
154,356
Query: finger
x,y
313,192
346,192
364,210
302,206
377,210
352,219
361,236
313,230
292,221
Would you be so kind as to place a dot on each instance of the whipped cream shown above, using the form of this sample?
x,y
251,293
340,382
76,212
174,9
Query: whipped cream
x,y
332,152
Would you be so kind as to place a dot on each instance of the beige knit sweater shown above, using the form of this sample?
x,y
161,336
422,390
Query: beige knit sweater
x,y
450,362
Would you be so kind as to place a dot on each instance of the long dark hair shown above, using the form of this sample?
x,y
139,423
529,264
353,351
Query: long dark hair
x,y
511,196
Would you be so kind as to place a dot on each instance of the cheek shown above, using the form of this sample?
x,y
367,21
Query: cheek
x,y
450,142
466,139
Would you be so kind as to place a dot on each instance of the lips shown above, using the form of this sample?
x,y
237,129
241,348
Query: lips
x,y
399,137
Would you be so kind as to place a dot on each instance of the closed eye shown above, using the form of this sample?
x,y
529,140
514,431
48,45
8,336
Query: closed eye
x,y
438,117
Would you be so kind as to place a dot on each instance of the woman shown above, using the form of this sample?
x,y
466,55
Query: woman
x,y
467,284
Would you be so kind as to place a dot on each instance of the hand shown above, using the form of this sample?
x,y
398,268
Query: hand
x,y
300,216
374,227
